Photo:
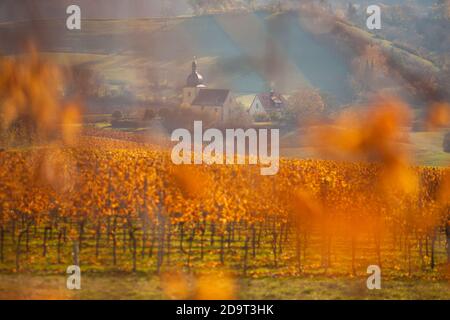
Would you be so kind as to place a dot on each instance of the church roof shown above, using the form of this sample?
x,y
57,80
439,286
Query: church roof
x,y
195,79
211,97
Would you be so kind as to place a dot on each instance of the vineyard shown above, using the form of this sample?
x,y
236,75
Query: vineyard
x,y
82,188
111,205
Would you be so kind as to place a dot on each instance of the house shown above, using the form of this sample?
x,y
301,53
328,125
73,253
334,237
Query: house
x,y
215,102
267,103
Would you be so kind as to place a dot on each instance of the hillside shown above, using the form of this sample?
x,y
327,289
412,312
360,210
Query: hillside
x,y
248,52
13,10
245,52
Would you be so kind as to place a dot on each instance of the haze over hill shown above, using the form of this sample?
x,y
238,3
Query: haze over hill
x,y
13,10
247,52
243,52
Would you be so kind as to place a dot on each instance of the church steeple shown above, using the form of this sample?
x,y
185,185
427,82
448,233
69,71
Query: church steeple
x,y
195,79
194,65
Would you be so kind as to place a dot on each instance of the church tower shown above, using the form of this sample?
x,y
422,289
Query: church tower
x,y
194,83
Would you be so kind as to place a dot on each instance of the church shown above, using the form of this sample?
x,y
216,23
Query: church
x,y
216,102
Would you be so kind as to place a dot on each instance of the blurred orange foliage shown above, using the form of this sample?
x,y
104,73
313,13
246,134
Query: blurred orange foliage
x,y
32,105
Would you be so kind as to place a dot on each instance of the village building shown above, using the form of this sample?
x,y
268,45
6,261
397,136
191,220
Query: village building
x,y
215,102
219,103
267,103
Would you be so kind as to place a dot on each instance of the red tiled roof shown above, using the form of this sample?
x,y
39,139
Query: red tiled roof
x,y
271,100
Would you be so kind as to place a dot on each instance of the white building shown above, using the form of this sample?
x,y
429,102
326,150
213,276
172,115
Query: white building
x,y
215,102
267,103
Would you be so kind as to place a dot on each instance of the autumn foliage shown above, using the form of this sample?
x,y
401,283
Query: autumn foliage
x,y
110,204
124,206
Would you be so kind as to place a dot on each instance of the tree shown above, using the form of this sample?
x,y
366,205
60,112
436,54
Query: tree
x,y
205,6
442,9
447,142
164,113
263,117
251,4
195,6
351,12
117,115
304,104
31,103
84,81
148,115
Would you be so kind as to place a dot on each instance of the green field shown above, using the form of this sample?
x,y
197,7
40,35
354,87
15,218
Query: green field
x,y
120,286
426,148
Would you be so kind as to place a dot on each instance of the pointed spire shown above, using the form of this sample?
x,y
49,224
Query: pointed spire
x,y
194,79
194,64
